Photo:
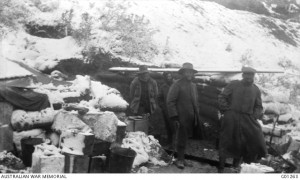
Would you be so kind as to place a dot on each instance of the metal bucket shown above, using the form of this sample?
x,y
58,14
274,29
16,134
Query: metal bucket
x,y
121,160
27,145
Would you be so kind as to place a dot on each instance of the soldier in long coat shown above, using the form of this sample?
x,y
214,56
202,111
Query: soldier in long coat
x,y
162,101
183,110
241,135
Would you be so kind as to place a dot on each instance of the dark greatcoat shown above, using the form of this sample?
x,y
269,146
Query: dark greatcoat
x,y
182,101
240,134
135,94
162,101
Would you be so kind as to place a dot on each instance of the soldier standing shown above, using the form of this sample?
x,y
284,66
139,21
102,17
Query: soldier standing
x,y
241,136
182,104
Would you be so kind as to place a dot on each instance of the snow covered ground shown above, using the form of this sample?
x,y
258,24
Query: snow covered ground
x,y
204,33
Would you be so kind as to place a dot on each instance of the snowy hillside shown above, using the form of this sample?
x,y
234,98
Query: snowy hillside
x,y
162,32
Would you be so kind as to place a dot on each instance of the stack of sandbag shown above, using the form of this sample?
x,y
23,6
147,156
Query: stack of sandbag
x,y
208,92
31,124
276,108
276,103
286,134
208,101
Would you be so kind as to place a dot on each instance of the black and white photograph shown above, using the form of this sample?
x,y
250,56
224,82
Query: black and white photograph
x,y
193,87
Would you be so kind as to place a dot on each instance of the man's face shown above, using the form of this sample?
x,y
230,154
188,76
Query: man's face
x,y
169,77
248,77
144,76
188,74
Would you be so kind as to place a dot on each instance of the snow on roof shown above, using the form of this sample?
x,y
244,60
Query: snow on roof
x,y
10,70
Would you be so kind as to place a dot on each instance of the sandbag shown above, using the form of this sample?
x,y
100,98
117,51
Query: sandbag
x,y
276,108
209,101
104,125
208,111
218,83
22,120
65,120
285,118
113,102
209,95
211,90
276,96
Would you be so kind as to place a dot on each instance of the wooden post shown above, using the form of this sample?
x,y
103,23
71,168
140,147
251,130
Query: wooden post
x,y
6,110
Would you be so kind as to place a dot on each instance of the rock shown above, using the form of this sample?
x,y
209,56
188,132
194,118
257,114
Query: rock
x,y
6,138
6,110
34,133
147,149
277,132
104,125
66,120
10,161
77,143
47,159
22,120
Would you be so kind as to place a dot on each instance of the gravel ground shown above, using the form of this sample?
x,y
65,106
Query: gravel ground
x,y
198,167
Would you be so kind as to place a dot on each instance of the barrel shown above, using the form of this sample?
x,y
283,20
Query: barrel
x,y
97,164
121,160
76,163
101,147
27,145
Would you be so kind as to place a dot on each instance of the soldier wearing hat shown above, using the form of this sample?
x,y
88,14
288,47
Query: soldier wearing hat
x,y
143,93
182,108
241,136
